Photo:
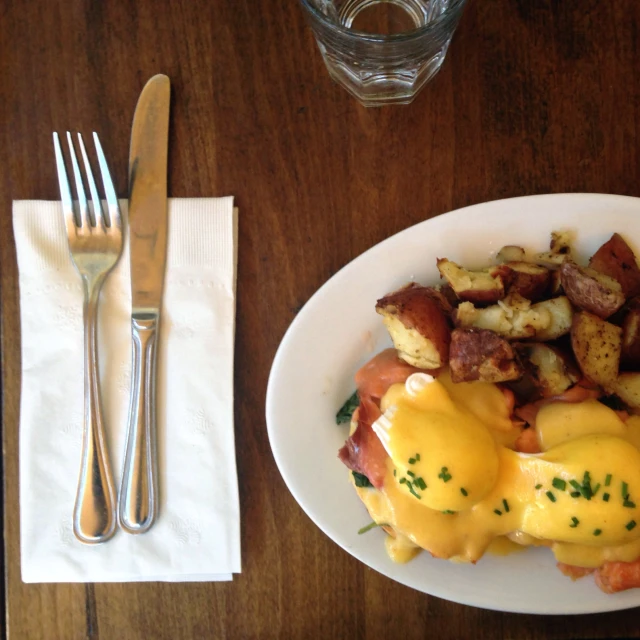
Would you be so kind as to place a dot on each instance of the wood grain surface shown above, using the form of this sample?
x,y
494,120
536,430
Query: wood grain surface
x,y
535,96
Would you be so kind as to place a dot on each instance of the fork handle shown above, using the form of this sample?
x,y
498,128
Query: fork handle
x,y
138,506
94,514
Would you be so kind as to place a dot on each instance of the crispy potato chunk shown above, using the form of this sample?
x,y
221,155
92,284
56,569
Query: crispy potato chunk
x,y
631,339
516,318
418,325
552,372
560,250
597,345
627,388
479,287
510,253
531,281
590,290
615,258
479,354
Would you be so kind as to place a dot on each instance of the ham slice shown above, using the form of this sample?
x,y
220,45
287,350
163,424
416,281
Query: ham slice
x,y
612,577
363,452
374,378
578,393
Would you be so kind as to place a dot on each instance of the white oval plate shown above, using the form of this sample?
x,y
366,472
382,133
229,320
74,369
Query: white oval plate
x,y
338,330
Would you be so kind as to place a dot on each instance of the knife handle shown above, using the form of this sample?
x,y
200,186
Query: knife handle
x,y
138,503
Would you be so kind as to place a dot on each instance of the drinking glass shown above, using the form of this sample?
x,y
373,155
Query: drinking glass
x,y
383,51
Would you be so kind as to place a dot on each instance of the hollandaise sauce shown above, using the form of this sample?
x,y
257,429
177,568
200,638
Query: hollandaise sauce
x,y
453,487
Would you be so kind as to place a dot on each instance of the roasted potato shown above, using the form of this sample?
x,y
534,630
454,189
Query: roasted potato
x,y
417,324
479,287
630,358
597,345
551,370
555,283
479,354
561,315
615,258
446,290
560,250
590,290
627,388
531,281
516,318
511,253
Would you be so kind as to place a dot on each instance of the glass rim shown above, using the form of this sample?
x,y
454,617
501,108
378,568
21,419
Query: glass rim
x,y
371,37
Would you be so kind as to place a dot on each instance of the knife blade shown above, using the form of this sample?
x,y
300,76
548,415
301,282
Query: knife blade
x,y
138,501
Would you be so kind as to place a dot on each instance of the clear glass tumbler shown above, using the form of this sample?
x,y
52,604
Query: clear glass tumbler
x,y
383,51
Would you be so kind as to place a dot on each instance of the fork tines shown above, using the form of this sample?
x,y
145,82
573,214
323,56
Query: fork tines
x,y
85,216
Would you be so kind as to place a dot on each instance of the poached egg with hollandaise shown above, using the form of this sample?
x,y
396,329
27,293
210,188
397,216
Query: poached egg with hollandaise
x,y
453,485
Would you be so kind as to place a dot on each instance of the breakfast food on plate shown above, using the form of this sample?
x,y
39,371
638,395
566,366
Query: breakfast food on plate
x,y
508,413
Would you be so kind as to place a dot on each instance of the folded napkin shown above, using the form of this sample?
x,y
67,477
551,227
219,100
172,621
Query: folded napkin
x,y
197,534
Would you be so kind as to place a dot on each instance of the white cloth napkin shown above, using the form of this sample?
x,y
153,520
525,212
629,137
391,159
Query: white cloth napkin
x,y
197,534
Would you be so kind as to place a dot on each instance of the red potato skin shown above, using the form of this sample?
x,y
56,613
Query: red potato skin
x,y
421,308
532,286
587,294
616,259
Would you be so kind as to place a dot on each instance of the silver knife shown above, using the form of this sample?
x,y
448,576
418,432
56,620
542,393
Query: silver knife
x,y
138,501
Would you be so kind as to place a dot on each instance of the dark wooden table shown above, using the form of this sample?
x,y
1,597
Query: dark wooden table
x,y
534,97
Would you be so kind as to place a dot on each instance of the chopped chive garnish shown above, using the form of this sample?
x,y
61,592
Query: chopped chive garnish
x,y
575,494
420,483
411,474
551,496
538,486
605,497
559,483
586,485
417,457
574,522
463,491
413,491
445,475
607,480
576,485
595,490
630,525
412,460
403,480
625,491
373,525
395,471
629,504
448,512
597,532
506,505
497,512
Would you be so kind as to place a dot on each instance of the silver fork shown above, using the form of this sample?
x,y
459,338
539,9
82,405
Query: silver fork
x,y
95,244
